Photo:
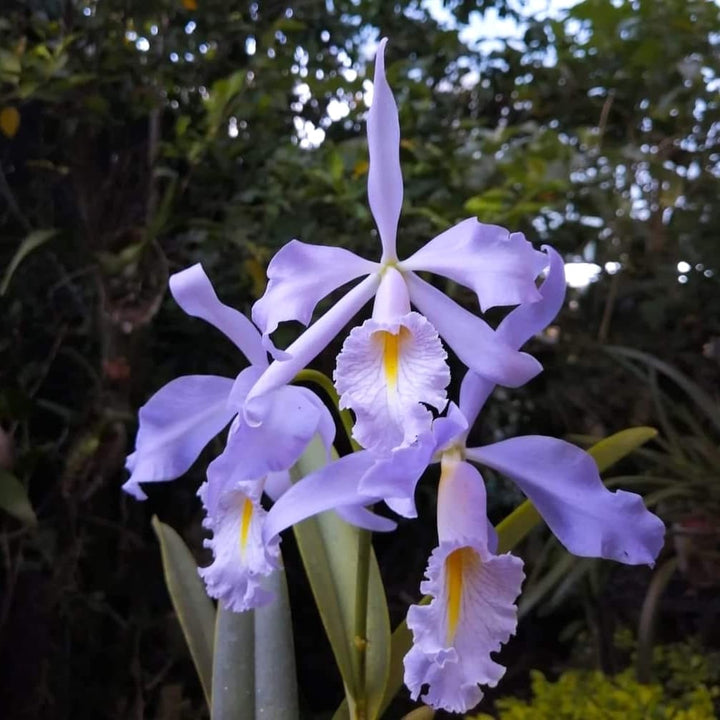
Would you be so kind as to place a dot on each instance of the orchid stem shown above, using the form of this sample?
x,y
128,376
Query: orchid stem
x,y
360,640
321,379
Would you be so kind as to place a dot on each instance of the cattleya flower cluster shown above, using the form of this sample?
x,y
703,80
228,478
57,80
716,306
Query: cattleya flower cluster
x,y
392,368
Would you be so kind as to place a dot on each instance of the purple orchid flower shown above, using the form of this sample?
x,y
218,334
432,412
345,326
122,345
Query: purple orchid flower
x,y
182,417
395,361
472,612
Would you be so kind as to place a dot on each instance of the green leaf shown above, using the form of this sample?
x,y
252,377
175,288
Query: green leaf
x,y
233,670
14,499
329,549
614,448
193,607
33,241
511,531
275,676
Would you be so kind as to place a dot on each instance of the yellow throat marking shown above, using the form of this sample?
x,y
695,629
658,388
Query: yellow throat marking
x,y
247,511
391,344
456,564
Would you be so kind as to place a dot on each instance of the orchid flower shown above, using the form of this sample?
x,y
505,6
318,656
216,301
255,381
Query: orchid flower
x,y
394,361
182,417
472,611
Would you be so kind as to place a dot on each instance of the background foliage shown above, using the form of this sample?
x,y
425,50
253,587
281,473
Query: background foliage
x,y
137,138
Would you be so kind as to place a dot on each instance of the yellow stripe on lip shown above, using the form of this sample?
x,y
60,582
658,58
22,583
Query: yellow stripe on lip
x,y
457,563
392,343
247,511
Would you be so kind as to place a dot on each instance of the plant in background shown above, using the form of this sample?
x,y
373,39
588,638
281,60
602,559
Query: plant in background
x,y
388,367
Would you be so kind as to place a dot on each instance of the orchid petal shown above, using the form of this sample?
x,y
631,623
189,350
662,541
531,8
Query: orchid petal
x,y
395,476
194,293
362,517
331,487
563,483
448,430
292,416
242,560
308,345
384,372
385,183
276,483
299,276
471,615
516,329
498,265
474,342
175,425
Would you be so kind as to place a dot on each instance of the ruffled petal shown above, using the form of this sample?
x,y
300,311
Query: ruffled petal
x,y
499,266
329,488
385,183
194,293
292,416
563,483
175,425
471,615
307,346
384,372
474,342
516,329
242,559
299,276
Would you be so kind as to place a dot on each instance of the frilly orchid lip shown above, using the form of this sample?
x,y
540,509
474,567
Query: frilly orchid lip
x,y
499,266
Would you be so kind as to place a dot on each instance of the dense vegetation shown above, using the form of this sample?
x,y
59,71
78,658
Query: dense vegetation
x,y
140,136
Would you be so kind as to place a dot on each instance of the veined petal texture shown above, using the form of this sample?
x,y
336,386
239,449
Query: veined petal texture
x,y
194,293
516,329
384,372
473,591
299,276
472,339
175,425
385,183
563,483
242,560
499,266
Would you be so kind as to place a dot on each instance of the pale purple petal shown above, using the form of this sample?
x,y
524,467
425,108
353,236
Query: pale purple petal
x,y
276,483
242,561
313,341
175,425
394,477
385,183
473,341
363,518
471,615
194,293
449,429
499,266
299,276
291,417
462,501
386,373
563,483
516,329
331,487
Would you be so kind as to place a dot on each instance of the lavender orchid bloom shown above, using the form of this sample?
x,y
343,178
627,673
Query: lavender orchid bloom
x,y
394,361
182,417
472,611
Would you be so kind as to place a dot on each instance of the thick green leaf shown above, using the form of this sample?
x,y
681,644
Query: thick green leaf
x,y
275,678
614,448
14,499
511,531
193,607
233,670
329,549
33,241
